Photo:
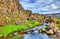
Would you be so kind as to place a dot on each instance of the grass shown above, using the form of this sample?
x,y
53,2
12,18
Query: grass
x,y
16,37
32,23
11,27
57,26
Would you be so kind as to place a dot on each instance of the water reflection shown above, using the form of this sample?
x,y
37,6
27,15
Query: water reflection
x,y
37,36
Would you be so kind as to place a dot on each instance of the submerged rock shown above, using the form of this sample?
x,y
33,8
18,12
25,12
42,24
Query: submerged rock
x,y
50,32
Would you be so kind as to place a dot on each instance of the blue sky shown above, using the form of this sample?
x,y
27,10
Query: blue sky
x,y
42,6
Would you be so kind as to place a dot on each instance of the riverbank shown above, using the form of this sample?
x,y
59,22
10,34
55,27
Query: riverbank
x,y
8,29
18,36
52,28
35,35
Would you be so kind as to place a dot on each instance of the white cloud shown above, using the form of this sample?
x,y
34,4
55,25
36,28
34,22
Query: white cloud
x,y
45,1
26,5
46,8
54,6
41,5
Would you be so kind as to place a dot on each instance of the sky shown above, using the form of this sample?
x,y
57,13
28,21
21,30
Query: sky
x,y
41,6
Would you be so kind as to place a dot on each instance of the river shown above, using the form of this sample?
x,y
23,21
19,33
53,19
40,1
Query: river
x,y
33,35
37,35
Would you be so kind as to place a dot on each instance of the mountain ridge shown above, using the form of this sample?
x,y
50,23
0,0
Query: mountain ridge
x,y
57,15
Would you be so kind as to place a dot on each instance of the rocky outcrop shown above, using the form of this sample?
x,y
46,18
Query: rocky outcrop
x,y
50,32
33,16
36,16
11,10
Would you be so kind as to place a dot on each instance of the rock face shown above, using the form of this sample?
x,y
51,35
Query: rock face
x,y
34,16
10,6
10,10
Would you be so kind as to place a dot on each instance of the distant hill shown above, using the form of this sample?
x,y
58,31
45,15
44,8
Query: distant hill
x,y
57,15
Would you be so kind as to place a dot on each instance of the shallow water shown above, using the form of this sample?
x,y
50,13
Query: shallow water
x,y
37,35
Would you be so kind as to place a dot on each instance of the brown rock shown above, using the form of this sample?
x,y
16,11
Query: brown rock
x,y
33,16
21,32
5,36
31,30
11,34
12,10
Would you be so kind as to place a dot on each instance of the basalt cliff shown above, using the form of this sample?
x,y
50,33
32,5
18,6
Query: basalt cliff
x,y
11,11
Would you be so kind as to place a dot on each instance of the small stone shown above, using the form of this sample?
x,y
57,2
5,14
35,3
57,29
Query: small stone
x,y
10,34
16,33
5,36
31,30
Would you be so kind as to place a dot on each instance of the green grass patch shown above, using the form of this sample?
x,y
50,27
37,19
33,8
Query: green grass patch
x,y
11,27
32,23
